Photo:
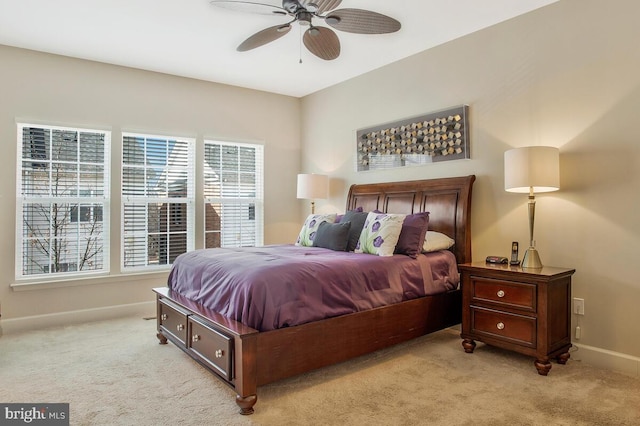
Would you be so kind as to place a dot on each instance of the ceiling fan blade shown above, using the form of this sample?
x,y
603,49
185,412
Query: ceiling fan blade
x,y
249,6
263,37
323,6
362,21
322,42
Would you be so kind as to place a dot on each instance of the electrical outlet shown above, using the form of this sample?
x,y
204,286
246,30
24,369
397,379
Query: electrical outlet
x,y
578,306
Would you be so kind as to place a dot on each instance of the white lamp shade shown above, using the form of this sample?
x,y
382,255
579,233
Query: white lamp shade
x,y
532,167
313,187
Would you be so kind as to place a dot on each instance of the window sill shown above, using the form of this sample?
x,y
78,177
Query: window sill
x,y
89,280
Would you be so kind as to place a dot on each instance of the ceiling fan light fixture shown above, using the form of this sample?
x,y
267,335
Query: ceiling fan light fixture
x,y
304,18
312,7
314,31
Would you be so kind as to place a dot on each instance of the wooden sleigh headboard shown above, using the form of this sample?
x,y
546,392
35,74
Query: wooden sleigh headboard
x,y
448,201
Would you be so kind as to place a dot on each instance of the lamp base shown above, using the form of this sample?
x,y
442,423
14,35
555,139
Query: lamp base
x,y
531,259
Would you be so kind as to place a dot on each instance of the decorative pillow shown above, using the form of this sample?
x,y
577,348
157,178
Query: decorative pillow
x,y
310,227
412,235
380,234
340,217
357,219
435,241
333,236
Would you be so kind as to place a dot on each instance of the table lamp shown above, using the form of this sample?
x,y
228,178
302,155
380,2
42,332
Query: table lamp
x,y
313,187
532,169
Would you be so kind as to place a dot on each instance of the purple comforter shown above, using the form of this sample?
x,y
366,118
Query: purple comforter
x,y
284,285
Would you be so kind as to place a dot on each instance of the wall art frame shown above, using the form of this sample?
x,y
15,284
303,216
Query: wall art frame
x,y
425,139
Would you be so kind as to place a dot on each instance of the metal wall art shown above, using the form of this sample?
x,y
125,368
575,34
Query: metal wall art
x,y
438,136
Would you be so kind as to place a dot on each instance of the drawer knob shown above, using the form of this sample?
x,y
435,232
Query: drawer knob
x,y
180,327
195,338
500,326
163,317
500,293
219,353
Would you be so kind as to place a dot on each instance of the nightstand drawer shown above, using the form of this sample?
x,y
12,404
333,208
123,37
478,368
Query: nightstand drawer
x,y
506,293
517,329
172,320
211,347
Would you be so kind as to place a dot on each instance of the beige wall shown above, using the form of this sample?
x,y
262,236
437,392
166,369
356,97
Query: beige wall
x,y
567,75
50,89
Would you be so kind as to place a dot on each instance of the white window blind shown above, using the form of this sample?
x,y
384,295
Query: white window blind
x,y
62,201
233,191
157,199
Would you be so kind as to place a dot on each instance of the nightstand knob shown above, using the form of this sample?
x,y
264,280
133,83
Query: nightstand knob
x,y
163,317
195,338
219,353
500,293
180,327
500,326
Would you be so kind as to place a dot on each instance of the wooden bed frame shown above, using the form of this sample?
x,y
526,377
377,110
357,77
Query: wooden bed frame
x,y
245,358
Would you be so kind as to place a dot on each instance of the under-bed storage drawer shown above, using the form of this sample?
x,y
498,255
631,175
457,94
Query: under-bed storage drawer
x,y
211,347
172,320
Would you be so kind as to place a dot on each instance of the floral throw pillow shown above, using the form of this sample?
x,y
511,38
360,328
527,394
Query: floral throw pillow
x,y
380,234
310,227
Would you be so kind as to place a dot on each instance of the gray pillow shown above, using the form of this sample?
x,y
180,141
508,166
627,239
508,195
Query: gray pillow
x,y
357,219
333,236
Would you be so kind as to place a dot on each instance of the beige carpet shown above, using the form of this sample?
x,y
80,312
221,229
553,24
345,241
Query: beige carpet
x,y
112,373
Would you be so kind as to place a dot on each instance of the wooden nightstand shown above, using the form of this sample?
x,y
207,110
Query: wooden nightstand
x,y
523,310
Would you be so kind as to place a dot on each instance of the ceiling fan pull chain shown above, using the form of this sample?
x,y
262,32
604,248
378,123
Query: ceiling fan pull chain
x,y
300,43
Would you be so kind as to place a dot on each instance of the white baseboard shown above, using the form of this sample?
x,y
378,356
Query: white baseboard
x,y
36,322
597,357
604,358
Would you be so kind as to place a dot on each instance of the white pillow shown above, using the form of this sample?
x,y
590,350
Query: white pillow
x,y
380,234
435,241
310,227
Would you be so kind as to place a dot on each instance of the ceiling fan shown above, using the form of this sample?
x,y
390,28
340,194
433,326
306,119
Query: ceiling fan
x,y
321,41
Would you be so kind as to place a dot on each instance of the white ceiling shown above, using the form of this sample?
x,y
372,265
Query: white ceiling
x,y
192,38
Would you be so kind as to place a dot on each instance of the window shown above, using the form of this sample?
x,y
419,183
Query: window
x,y
233,191
62,201
157,199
